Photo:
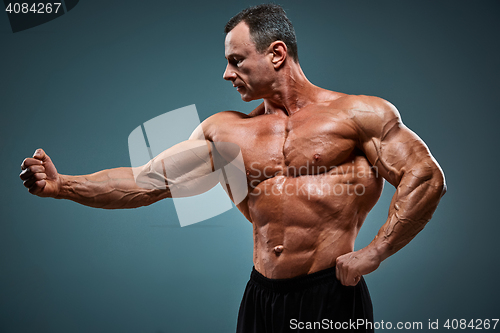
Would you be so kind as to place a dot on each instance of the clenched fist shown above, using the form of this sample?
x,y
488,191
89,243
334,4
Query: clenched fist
x,y
40,175
351,266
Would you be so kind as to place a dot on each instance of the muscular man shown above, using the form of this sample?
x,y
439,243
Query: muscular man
x,y
314,163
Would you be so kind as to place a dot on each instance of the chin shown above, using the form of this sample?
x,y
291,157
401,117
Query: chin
x,y
247,98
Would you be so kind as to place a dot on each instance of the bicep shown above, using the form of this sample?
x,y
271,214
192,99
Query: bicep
x,y
185,169
390,146
397,152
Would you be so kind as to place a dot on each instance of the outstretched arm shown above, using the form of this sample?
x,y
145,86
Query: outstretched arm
x,y
402,158
181,169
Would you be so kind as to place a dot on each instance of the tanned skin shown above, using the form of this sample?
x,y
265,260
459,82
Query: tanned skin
x,y
315,162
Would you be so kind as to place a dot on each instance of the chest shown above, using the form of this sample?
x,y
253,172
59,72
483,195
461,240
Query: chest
x,y
292,146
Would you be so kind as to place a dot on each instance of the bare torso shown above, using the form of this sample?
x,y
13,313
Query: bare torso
x,y
310,185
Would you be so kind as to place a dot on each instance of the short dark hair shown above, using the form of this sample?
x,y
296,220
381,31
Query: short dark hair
x,y
267,23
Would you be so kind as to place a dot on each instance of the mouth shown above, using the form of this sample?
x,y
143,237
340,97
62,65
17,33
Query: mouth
x,y
238,87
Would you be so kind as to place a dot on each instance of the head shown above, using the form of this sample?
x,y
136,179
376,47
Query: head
x,y
259,41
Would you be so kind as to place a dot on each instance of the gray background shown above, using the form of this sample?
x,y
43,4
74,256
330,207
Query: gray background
x,y
78,85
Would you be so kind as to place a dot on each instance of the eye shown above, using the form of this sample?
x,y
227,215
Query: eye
x,y
236,61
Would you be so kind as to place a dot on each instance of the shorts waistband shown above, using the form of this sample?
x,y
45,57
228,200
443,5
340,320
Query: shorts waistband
x,y
299,282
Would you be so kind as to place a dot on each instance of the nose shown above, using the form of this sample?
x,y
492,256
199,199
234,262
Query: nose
x,y
229,74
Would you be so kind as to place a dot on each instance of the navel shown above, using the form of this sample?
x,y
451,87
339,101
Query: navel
x,y
278,249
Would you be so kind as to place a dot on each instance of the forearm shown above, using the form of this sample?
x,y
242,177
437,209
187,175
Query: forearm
x,y
110,189
412,206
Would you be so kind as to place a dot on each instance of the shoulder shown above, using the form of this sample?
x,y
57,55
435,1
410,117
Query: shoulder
x,y
207,129
373,116
355,104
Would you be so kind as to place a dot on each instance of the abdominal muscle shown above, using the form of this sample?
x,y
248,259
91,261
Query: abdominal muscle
x,y
302,224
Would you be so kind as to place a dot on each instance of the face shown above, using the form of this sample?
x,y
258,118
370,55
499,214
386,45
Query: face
x,y
250,72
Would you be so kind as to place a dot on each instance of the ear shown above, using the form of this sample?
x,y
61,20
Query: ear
x,y
278,50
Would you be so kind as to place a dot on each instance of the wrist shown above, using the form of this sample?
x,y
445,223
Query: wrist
x,y
383,249
379,249
62,187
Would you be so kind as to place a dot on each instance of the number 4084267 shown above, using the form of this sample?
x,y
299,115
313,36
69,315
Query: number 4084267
x,y
36,8
478,324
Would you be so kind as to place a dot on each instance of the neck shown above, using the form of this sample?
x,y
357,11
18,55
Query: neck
x,y
291,90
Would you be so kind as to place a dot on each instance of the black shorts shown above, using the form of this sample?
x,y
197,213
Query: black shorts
x,y
317,302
